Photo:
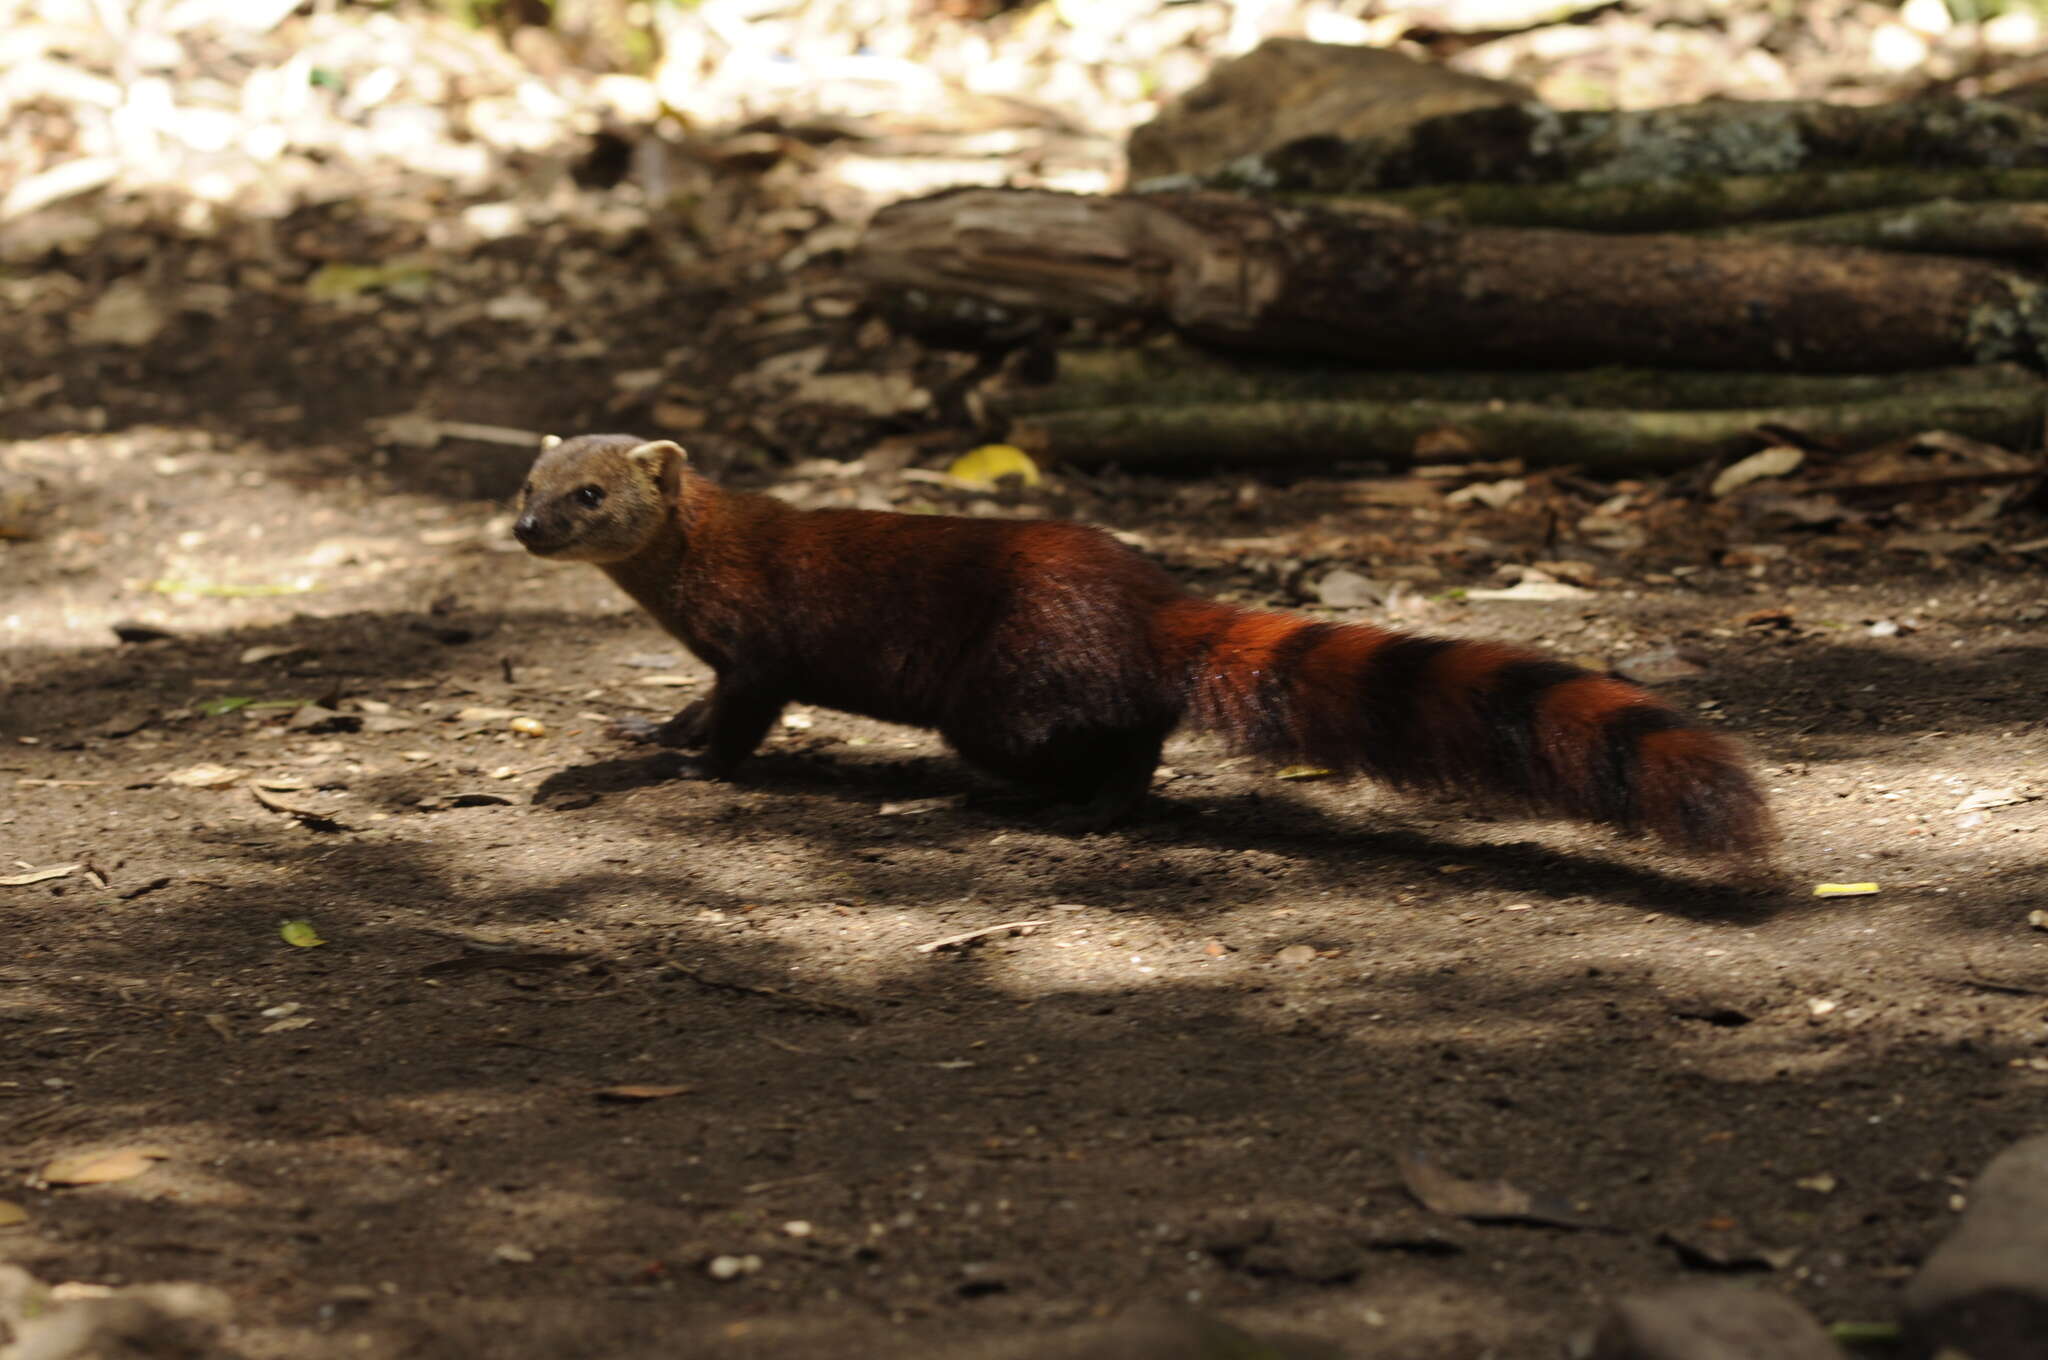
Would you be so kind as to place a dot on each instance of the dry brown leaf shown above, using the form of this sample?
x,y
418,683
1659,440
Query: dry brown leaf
x,y
204,776
101,1168
1481,1201
637,1093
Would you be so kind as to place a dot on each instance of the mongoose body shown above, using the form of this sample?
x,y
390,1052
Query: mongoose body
x,y
1051,655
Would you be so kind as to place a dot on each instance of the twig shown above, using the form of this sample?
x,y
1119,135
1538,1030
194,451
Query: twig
x,y
1919,483
1019,926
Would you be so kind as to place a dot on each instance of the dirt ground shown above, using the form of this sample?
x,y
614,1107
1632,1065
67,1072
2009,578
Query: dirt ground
x,y
1190,1080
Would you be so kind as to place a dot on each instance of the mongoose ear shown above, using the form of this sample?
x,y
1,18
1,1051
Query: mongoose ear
x,y
656,454
548,441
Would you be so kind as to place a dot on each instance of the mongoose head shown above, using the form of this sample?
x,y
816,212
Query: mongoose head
x,y
597,497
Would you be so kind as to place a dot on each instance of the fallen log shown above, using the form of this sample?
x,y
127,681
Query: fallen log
x,y
1264,276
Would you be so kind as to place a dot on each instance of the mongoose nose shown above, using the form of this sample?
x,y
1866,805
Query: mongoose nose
x,y
525,528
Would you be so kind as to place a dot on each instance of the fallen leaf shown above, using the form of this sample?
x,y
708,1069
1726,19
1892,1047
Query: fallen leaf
x,y
1771,462
481,714
1302,772
205,776
1844,889
42,875
311,818
1732,1254
1979,799
635,1093
406,277
1481,1201
100,1168
915,807
877,394
989,464
253,655
299,934
1533,590
12,1215
1493,495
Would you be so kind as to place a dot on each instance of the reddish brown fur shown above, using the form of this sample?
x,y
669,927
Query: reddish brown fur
x,y
1050,654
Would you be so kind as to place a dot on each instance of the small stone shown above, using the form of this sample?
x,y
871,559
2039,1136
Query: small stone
x,y
1296,955
1711,1322
731,1267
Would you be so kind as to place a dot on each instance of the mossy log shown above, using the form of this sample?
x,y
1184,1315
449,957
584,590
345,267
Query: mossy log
x,y
1529,143
1244,274
1945,226
1167,372
1688,204
1320,433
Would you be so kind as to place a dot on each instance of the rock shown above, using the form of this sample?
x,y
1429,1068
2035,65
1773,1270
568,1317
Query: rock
x,y
1984,1291
1343,589
1289,89
94,1322
1711,1322
1157,1333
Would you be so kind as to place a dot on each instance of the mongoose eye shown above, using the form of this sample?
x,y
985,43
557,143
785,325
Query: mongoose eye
x,y
589,495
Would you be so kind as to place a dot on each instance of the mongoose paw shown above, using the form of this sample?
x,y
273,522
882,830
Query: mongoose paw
x,y
685,729
675,765
632,728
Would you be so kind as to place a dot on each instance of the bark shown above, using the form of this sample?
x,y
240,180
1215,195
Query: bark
x,y
1686,204
1240,273
1318,433
1528,143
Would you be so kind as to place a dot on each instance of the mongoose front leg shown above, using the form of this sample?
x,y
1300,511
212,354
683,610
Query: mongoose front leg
x,y
728,725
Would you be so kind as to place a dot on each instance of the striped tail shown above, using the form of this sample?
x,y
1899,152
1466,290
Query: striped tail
x,y
1479,718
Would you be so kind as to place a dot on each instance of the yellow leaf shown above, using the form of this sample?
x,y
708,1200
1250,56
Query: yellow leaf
x,y
1844,889
1302,772
300,934
12,1215
991,463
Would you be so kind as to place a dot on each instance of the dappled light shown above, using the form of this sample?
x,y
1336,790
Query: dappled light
x,y
370,986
